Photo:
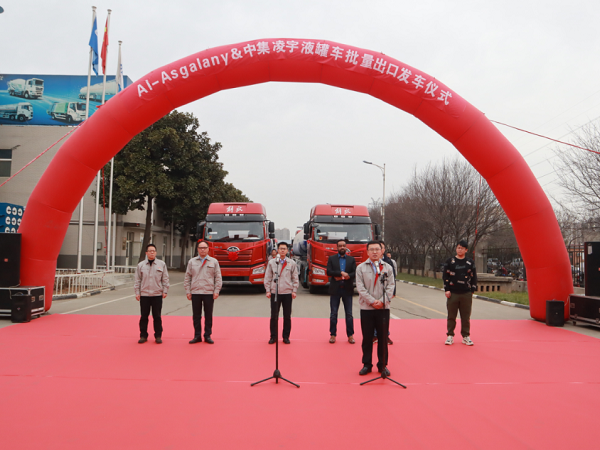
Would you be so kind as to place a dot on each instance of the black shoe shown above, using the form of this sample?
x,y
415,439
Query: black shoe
x,y
286,340
142,340
271,341
158,340
196,340
365,370
385,373
390,342
208,340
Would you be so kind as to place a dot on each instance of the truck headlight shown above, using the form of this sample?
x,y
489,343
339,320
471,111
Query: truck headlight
x,y
258,270
317,271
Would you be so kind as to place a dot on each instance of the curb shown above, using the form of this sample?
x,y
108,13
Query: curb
x,y
81,295
480,297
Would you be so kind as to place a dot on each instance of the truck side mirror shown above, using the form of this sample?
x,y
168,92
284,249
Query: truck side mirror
x,y
377,230
271,230
199,227
306,231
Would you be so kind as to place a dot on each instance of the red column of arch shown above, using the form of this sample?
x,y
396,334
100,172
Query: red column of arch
x,y
72,170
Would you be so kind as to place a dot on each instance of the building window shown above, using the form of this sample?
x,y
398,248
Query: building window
x,y
5,162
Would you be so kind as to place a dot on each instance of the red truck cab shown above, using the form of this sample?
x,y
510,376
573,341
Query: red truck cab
x,y
327,225
240,237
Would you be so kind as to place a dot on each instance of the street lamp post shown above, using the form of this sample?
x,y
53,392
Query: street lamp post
x,y
383,202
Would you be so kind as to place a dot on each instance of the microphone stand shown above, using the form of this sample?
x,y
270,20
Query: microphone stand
x,y
276,374
382,279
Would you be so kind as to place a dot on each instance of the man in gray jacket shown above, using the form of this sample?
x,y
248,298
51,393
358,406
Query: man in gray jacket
x,y
202,285
151,286
288,285
375,285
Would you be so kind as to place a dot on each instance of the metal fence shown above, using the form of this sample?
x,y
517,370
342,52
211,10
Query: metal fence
x,y
505,262
68,281
576,256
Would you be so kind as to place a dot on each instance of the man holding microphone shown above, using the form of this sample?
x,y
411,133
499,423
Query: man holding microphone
x,y
288,282
375,284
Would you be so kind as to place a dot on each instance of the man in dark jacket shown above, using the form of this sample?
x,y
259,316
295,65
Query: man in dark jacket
x,y
341,269
460,281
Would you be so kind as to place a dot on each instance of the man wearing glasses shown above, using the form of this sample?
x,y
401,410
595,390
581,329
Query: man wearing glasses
x,y
151,286
375,284
202,285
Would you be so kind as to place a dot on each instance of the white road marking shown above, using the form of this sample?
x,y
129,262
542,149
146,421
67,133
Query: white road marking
x,y
110,301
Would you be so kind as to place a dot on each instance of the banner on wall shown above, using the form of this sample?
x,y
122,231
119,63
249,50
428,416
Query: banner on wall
x,y
51,99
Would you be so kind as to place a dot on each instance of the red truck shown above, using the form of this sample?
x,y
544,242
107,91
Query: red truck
x,y
327,225
240,237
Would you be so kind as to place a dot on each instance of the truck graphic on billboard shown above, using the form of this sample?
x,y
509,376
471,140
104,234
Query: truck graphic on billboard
x,y
32,88
56,100
96,91
69,111
17,111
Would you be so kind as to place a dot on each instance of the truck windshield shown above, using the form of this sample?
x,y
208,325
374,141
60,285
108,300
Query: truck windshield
x,y
332,232
38,82
234,231
80,106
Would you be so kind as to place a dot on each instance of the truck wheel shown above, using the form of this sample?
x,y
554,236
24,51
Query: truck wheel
x,y
69,119
53,116
27,95
12,117
21,118
312,289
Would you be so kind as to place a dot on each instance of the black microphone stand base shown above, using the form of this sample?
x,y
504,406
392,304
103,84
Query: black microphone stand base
x,y
277,376
383,376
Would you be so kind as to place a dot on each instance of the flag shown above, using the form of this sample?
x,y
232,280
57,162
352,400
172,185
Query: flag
x,y
104,52
119,76
94,45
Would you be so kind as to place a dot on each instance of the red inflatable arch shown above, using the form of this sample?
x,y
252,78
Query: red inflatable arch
x,y
74,167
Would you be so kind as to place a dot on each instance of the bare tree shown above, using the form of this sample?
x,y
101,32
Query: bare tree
x,y
579,173
439,206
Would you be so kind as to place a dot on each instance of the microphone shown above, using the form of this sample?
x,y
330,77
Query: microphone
x,y
377,267
278,259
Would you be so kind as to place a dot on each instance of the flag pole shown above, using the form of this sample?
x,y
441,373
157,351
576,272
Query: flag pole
x,y
119,81
105,55
87,105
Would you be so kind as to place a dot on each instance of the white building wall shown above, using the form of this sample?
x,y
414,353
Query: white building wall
x,y
28,142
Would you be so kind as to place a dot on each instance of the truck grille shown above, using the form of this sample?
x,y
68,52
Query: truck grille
x,y
223,257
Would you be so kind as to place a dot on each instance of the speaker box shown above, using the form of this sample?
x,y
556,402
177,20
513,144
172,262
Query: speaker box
x,y
592,269
10,259
21,308
555,313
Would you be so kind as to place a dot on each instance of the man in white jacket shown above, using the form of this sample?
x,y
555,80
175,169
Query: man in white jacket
x,y
288,282
151,286
375,285
202,285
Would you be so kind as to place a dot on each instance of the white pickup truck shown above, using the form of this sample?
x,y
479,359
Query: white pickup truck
x,y
32,88
17,111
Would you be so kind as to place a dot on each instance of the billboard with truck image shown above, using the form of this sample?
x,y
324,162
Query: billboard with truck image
x,y
59,100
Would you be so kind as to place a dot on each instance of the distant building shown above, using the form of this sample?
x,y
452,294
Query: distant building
x,y
22,141
282,234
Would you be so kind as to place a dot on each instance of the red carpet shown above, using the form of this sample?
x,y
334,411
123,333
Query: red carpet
x,y
82,382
